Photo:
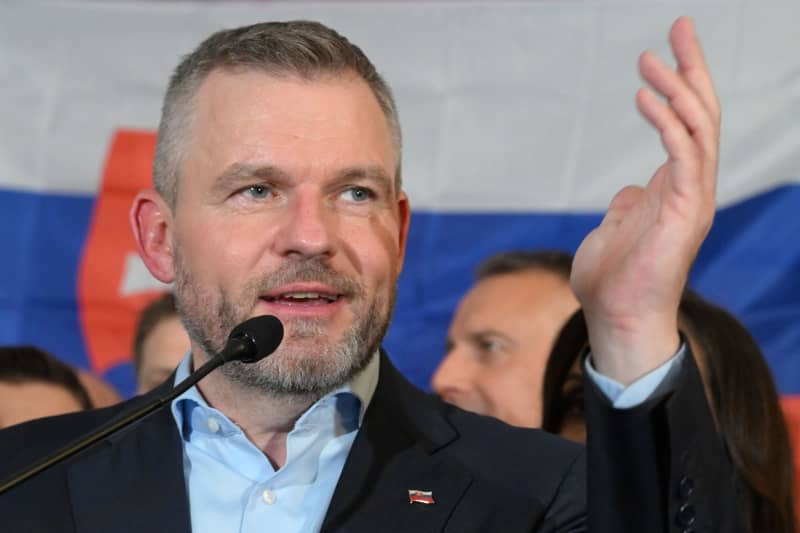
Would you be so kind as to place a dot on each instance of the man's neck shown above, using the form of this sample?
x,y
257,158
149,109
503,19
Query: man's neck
x,y
266,419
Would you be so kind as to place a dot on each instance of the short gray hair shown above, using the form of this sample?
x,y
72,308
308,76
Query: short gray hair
x,y
301,48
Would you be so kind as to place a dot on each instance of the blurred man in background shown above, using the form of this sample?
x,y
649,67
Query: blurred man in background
x,y
502,333
160,343
34,384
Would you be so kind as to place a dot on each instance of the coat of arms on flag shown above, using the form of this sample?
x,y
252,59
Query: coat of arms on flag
x,y
420,496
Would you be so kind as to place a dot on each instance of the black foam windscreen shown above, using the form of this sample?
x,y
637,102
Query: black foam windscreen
x,y
265,332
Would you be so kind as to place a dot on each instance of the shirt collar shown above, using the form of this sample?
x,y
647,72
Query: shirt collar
x,y
361,386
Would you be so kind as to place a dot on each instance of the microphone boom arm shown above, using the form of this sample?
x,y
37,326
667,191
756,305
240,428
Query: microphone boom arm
x,y
103,432
249,342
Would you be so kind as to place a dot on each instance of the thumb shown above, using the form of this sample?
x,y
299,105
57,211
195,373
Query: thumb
x,y
622,203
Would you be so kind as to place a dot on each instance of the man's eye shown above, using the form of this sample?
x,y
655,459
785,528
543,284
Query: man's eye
x,y
489,352
358,194
491,345
258,192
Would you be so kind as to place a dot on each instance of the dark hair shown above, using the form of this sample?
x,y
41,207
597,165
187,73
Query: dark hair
x,y
741,394
300,48
553,261
571,342
24,364
156,311
744,401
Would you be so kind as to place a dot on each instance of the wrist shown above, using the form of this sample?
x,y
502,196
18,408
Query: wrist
x,y
625,353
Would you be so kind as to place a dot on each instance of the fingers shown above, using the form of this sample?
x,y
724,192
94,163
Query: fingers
x,y
683,151
689,119
692,64
684,102
689,90
675,136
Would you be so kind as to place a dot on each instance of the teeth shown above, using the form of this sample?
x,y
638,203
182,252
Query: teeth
x,y
309,296
302,295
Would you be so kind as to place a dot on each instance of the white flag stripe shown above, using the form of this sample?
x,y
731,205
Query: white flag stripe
x,y
505,107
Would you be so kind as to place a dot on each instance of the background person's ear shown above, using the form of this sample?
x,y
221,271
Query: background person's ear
x,y
151,222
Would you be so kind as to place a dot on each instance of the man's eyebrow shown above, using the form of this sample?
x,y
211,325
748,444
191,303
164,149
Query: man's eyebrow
x,y
483,335
240,174
373,173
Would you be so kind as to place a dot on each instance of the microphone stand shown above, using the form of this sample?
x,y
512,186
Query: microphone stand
x,y
250,341
103,432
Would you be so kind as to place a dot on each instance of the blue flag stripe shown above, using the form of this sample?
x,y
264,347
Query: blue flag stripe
x,y
750,264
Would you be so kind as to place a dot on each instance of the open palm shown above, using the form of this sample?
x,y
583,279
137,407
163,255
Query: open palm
x,y
630,271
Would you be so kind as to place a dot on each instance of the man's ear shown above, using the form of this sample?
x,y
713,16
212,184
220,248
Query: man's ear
x,y
404,219
151,222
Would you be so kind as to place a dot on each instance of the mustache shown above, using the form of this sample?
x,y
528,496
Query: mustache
x,y
309,270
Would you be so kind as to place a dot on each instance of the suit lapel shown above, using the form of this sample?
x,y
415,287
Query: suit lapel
x,y
133,481
393,453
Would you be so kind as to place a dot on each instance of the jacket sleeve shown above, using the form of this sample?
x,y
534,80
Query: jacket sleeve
x,y
660,466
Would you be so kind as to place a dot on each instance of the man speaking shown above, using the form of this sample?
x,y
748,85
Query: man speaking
x,y
278,191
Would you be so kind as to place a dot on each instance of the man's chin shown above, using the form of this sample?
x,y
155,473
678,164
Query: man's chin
x,y
294,373
305,366
297,353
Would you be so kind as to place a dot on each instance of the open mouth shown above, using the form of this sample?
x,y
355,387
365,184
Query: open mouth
x,y
303,298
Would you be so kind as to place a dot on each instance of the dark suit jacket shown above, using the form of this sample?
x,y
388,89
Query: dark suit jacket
x,y
484,475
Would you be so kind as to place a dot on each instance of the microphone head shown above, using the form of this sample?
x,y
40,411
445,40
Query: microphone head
x,y
263,335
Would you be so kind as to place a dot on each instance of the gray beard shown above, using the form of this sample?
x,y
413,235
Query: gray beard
x,y
312,366
307,364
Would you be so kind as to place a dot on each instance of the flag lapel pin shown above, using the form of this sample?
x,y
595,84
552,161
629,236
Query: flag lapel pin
x,y
424,497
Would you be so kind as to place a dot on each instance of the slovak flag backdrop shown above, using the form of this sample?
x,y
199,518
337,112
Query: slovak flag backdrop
x,y
519,124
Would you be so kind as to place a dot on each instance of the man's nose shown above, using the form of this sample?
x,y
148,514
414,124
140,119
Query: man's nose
x,y
453,376
308,226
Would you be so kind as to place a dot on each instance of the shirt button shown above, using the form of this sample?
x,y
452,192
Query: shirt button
x,y
269,497
213,425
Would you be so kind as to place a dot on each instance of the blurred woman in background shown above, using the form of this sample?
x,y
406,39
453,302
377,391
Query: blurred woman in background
x,y
35,384
740,391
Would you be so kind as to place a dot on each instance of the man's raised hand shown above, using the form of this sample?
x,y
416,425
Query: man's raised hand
x,y
630,271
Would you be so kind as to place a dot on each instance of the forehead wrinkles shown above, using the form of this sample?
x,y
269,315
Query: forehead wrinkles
x,y
235,107
335,100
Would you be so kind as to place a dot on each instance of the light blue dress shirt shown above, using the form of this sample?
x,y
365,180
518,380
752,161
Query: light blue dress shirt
x,y
231,484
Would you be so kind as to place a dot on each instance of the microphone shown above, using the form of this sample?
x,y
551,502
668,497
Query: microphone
x,y
250,341
253,340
